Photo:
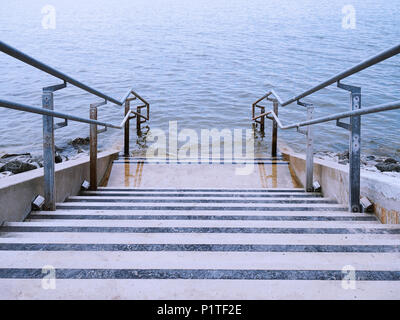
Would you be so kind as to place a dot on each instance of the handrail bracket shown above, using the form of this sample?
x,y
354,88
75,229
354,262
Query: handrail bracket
x,y
343,125
52,89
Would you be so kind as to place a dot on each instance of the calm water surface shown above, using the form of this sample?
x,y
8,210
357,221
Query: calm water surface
x,y
201,63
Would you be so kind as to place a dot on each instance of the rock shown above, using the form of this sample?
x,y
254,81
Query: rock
x,y
390,160
17,166
36,164
5,174
343,155
9,155
79,142
370,158
58,158
392,167
63,158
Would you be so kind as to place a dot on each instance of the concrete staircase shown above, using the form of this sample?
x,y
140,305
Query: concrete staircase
x,y
199,243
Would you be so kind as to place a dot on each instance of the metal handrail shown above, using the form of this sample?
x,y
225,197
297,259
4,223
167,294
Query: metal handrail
x,y
49,114
354,127
341,115
386,54
67,79
61,115
146,105
48,137
45,68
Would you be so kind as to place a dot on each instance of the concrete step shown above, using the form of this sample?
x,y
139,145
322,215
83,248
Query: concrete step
x,y
226,227
168,289
149,247
197,158
203,274
200,215
201,224
192,194
203,162
201,206
345,240
202,190
201,260
209,214
125,199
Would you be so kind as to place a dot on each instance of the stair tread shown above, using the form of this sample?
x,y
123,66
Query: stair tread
x,y
203,189
105,198
221,213
200,238
205,223
201,260
202,194
128,197
222,205
197,289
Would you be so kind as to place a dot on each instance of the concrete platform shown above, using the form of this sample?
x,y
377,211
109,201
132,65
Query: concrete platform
x,y
148,174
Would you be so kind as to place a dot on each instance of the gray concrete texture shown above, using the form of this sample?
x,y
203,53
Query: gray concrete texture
x,y
17,192
383,191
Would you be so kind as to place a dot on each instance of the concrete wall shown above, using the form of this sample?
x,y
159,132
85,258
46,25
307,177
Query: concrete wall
x,y
17,192
383,191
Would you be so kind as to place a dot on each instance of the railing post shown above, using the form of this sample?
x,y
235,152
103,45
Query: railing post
x,y
275,130
126,133
138,122
93,148
355,153
310,152
354,147
48,153
262,122
309,146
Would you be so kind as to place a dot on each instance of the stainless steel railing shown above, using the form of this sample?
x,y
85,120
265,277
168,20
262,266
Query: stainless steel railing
x,y
49,114
55,114
336,116
386,54
354,127
45,68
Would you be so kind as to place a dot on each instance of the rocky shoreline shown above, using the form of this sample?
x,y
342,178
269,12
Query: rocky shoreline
x,y
12,163
386,165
